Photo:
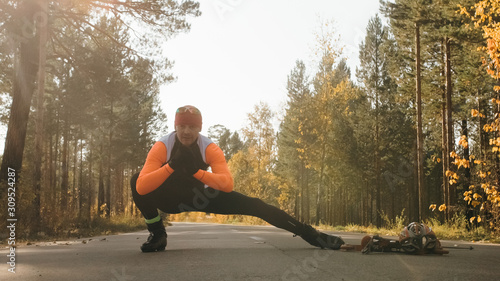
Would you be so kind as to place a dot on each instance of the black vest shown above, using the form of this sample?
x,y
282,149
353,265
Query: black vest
x,y
181,178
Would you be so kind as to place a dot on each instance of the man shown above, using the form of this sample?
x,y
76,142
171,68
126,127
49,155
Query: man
x,y
175,179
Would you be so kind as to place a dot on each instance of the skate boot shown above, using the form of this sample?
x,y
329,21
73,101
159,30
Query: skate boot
x,y
157,240
320,239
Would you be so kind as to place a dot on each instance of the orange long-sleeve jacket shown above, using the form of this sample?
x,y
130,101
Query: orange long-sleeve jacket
x,y
154,172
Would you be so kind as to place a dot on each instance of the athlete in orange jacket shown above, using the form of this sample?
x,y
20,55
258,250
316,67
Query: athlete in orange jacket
x,y
175,178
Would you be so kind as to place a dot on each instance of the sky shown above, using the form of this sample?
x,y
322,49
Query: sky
x,y
239,53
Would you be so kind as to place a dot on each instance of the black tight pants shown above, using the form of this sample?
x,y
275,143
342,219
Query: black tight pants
x,y
177,199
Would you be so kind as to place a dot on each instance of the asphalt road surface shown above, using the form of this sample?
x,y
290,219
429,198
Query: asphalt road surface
x,y
228,252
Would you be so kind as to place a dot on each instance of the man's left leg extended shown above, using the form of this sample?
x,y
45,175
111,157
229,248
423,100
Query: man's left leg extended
x,y
238,204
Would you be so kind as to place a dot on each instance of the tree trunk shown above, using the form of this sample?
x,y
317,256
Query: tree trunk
x,y
451,200
100,192
52,176
120,192
444,133
37,161
25,68
467,175
64,164
343,204
90,177
306,198
298,196
75,198
420,137
378,221
296,212
109,156
496,134
81,195
370,201
413,193
108,180
51,163
483,140
319,200
57,160
363,208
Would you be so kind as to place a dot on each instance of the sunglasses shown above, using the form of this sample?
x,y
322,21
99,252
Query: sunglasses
x,y
192,110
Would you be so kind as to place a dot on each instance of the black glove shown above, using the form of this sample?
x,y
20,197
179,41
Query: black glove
x,y
176,161
189,160
183,161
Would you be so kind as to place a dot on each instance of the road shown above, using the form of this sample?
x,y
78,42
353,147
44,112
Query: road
x,y
228,252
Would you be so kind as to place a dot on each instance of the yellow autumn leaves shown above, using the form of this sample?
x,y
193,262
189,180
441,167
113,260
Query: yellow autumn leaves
x,y
483,15
472,199
476,113
472,196
452,176
473,218
433,207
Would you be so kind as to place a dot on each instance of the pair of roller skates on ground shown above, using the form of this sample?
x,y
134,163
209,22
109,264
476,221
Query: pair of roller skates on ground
x,y
416,238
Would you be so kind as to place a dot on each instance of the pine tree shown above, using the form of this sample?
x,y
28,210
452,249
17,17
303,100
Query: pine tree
x,y
407,15
373,75
293,139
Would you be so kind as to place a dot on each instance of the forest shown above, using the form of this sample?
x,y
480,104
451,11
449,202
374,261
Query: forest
x,y
412,134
